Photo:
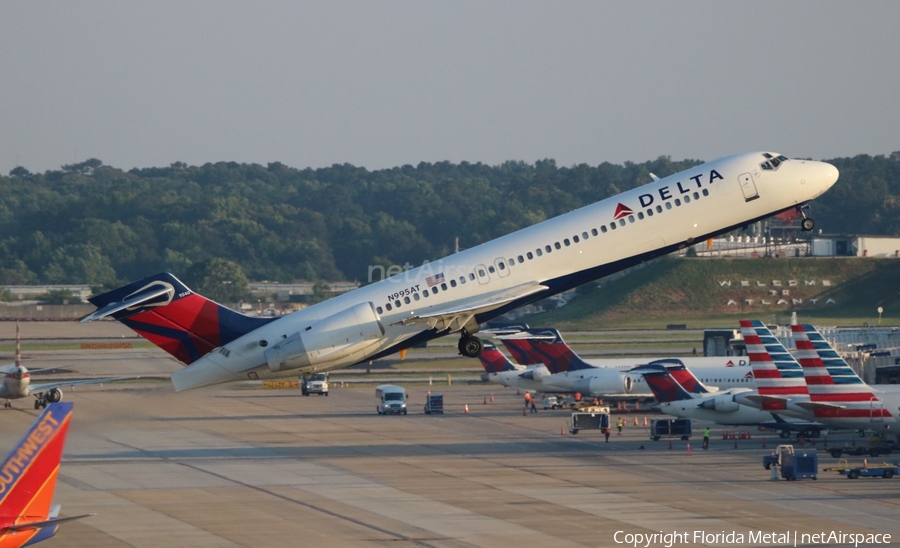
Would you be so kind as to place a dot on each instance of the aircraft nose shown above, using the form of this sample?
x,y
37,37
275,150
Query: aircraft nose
x,y
830,174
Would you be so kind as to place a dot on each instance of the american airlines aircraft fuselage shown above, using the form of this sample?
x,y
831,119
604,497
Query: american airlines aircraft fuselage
x,y
458,292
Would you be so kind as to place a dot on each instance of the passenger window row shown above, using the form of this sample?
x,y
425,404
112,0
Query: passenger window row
x,y
539,252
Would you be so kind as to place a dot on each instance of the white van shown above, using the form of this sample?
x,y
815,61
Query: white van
x,y
390,399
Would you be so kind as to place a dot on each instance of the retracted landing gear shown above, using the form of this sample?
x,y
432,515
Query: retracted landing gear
x,y
470,346
807,223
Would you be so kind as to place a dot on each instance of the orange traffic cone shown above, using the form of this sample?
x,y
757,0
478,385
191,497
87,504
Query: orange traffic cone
x,y
645,420
635,421
689,448
865,462
562,430
467,409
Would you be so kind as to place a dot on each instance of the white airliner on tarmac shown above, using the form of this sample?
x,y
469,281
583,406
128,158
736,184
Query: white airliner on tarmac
x,y
829,391
457,293
16,382
719,407
500,370
610,377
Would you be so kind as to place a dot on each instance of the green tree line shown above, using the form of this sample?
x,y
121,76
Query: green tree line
x,y
96,224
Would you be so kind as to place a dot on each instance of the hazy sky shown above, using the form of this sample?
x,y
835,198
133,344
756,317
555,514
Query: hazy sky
x,y
386,83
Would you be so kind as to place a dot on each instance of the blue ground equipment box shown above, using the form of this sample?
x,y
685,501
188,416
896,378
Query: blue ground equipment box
x,y
796,466
670,428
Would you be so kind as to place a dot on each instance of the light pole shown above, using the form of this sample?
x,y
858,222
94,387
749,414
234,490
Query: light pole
x,y
880,311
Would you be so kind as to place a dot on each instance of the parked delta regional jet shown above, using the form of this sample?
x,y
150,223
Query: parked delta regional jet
x,y
611,377
719,407
459,292
500,370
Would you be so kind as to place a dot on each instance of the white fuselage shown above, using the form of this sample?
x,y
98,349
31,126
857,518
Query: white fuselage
x,y
882,414
719,371
583,245
742,415
514,379
15,382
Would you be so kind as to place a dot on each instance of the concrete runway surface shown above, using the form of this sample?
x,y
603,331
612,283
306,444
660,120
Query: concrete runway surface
x,y
238,465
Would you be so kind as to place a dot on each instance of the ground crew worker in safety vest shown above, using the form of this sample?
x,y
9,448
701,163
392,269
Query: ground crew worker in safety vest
x,y
619,424
706,438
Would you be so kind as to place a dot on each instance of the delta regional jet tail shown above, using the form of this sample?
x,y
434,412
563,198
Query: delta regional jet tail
x,y
28,478
459,292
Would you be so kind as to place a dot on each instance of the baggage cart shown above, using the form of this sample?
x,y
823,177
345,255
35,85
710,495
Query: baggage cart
x,y
434,404
670,428
596,418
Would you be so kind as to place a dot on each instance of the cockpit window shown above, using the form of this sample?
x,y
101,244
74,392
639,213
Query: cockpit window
x,y
772,162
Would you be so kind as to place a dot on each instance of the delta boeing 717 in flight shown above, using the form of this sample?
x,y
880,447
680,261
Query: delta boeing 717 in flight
x,y
457,293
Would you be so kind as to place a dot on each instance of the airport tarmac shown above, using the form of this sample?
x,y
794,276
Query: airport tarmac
x,y
238,465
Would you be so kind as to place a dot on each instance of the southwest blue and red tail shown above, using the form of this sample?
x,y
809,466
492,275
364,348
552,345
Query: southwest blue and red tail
x,y
28,479
493,360
165,312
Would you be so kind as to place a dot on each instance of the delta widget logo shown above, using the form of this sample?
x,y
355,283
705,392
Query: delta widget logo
x,y
622,210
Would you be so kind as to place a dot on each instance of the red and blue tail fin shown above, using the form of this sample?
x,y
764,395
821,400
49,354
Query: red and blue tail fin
x,y
493,360
663,385
165,312
775,371
548,346
28,477
683,375
522,349
835,390
827,374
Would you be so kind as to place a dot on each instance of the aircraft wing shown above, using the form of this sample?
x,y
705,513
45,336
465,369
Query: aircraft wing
x,y
33,371
44,387
814,405
460,313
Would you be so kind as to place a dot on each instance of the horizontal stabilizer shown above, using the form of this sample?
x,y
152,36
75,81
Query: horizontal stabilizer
x,y
814,405
133,300
16,527
761,400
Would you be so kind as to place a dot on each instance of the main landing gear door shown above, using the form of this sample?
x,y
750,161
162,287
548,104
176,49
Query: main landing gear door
x,y
748,187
